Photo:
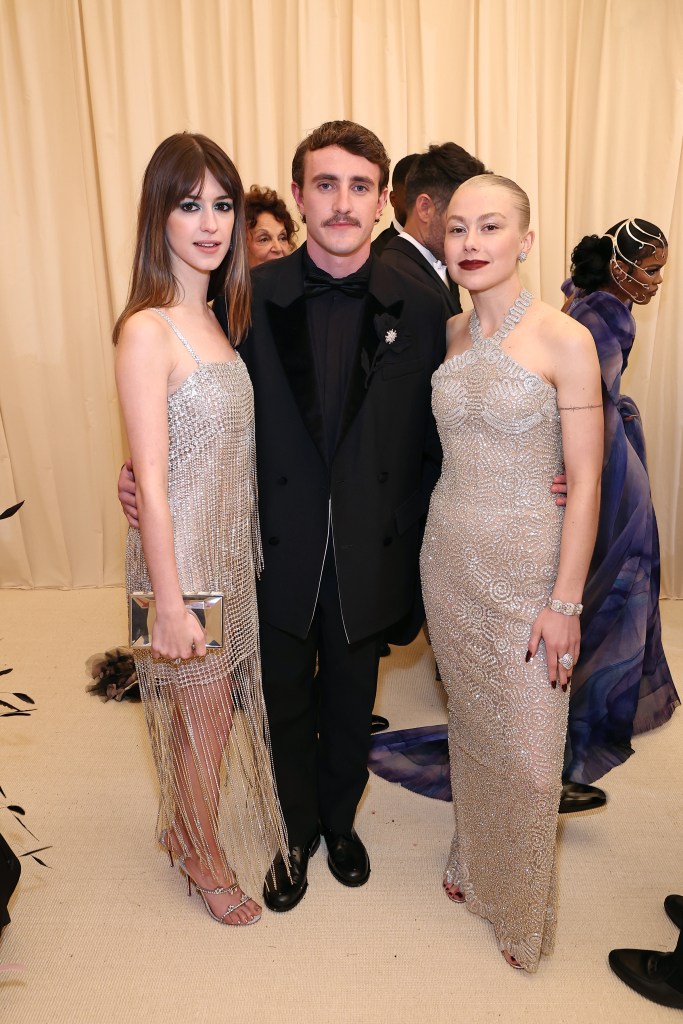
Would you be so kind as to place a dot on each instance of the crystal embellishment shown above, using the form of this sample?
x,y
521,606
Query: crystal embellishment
x,y
514,315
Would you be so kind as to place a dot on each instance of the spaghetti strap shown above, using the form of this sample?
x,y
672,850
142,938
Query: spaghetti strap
x,y
178,335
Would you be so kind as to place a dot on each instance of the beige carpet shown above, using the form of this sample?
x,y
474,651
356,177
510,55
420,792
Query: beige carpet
x,y
106,933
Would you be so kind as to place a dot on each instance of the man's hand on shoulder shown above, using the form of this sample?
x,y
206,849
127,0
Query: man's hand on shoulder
x,y
127,493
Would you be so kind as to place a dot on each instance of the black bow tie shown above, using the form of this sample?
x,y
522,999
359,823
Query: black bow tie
x,y
317,282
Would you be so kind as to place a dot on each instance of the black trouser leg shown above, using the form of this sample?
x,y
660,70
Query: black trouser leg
x,y
347,682
288,667
319,727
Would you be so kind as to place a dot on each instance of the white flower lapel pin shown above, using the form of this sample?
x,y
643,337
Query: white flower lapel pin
x,y
390,336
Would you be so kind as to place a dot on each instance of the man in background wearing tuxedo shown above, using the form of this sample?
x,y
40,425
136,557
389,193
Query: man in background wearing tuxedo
x,y
419,250
397,198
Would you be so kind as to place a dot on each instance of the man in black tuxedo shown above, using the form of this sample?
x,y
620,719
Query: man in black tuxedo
x,y
419,249
341,354
397,198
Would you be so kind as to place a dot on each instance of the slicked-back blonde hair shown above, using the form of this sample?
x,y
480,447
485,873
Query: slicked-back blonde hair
x,y
519,196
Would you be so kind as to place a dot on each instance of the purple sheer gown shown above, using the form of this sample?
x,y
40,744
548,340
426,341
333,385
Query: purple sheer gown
x,y
622,684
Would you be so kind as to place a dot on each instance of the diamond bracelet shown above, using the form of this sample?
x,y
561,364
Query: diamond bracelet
x,y
565,607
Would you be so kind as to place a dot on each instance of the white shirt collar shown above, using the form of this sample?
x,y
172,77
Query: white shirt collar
x,y
438,266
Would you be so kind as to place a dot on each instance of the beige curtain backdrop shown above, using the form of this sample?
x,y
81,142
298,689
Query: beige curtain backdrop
x,y
581,101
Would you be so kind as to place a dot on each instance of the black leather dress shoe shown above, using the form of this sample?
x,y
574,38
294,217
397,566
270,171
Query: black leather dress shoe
x,y
281,893
378,723
576,796
674,908
347,858
657,976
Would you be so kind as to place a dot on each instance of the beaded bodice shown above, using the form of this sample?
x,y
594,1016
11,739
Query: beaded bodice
x,y
499,428
211,485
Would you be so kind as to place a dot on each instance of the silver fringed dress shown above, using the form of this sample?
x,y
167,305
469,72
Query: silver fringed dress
x,y
488,564
205,708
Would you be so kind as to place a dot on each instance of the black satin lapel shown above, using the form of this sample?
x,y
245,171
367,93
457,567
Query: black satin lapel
x,y
358,384
289,326
454,295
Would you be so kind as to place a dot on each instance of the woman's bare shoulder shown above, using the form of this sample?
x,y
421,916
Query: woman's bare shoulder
x,y
145,325
561,330
145,341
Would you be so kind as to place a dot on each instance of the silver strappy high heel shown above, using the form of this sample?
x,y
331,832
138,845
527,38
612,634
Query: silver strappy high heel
x,y
219,891
166,840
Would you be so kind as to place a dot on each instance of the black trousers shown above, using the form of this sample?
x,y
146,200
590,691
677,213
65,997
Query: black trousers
x,y
319,695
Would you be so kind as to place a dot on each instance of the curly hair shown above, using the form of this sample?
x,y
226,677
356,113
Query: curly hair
x,y
260,200
627,240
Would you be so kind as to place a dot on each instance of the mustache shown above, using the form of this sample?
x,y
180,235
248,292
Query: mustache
x,y
341,219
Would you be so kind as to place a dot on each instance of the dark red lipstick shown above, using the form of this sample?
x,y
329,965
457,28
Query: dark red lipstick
x,y
472,264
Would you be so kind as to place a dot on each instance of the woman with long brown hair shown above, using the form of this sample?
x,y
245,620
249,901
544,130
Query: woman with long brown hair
x,y
188,409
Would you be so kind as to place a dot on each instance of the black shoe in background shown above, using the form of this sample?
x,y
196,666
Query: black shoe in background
x,y
673,906
577,796
656,976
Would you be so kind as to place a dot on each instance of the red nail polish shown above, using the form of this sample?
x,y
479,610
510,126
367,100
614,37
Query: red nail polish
x,y
528,657
553,683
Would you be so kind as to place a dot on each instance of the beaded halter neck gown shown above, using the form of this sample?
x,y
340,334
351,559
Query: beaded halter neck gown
x,y
488,564
203,707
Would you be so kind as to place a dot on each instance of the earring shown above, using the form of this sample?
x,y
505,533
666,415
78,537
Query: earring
x,y
522,257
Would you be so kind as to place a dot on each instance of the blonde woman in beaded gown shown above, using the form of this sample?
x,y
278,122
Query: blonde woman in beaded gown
x,y
188,408
518,395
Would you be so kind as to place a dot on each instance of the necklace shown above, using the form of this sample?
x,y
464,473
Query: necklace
x,y
514,315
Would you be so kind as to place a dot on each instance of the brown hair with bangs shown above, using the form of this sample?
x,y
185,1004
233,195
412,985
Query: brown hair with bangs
x,y
177,170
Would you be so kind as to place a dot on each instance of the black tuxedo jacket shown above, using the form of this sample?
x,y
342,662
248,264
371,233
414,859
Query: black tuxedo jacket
x,y
379,244
369,501
403,255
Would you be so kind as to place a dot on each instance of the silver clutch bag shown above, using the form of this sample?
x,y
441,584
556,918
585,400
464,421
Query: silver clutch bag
x,y
207,607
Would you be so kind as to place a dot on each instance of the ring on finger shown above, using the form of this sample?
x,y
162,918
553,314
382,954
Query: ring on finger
x,y
566,661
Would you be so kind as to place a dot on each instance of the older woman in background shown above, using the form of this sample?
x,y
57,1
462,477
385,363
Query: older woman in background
x,y
270,228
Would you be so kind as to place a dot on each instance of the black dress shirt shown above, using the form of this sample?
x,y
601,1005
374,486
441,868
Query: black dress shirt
x,y
334,323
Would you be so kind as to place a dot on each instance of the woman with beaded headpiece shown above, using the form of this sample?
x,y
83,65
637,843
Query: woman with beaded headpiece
x,y
622,685
503,567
